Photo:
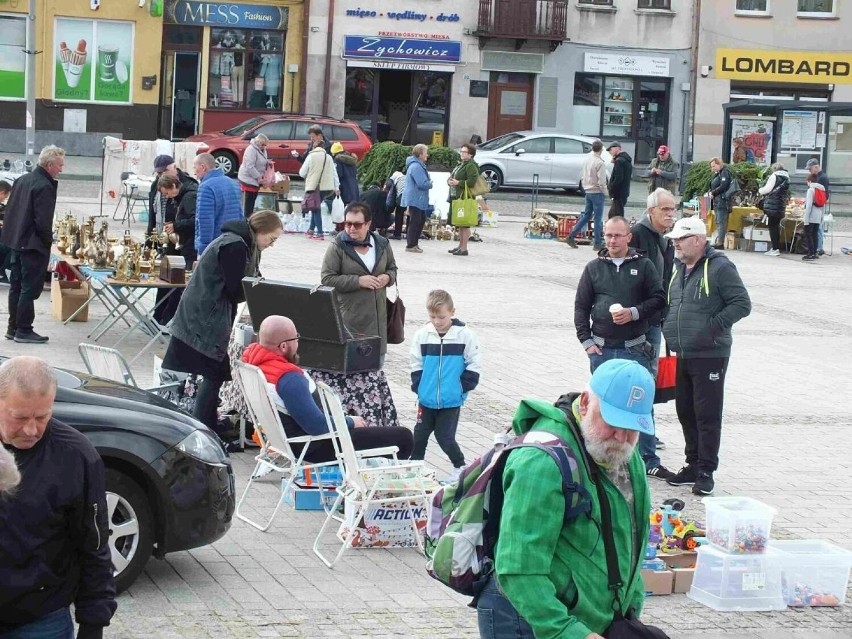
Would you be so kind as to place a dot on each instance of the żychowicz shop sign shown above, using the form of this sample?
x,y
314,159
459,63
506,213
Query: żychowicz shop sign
x,y
814,67
380,49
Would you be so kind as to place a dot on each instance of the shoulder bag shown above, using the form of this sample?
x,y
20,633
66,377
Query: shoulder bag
x,y
396,319
464,211
623,626
313,199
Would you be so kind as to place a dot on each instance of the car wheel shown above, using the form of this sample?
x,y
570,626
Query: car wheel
x,y
493,176
226,161
131,528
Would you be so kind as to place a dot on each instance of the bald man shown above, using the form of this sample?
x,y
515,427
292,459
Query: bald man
x,y
54,548
9,475
276,354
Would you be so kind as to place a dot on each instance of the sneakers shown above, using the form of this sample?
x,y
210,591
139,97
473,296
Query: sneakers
x,y
462,253
570,241
660,444
30,338
321,238
10,335
704,484
413,249
597,247
809,258
453,477
772,252
820,252
660,472
309,234
455,250
684,477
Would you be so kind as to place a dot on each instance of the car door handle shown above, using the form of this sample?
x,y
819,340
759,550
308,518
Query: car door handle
x,y
283,146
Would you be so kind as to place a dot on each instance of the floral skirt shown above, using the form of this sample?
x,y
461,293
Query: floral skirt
x,y
365,394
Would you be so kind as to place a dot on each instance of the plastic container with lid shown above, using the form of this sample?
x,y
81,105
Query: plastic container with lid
x,y
737,583
813,572
739,525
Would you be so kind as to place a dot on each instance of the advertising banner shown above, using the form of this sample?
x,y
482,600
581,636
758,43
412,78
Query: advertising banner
x,y
13,60
92,60
404,49
751,141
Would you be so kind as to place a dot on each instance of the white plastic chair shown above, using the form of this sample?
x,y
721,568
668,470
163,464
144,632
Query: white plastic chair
x,y
275,454
108,363
362,483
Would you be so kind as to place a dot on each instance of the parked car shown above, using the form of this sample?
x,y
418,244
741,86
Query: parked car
x,y
286,133
170,485
514,159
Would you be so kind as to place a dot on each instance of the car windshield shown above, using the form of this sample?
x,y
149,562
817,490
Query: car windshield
x,y
242,127
496,143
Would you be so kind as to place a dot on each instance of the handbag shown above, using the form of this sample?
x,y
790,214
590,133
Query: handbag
x,y
464,211
312,200
396,319
666,378
623,626
481,187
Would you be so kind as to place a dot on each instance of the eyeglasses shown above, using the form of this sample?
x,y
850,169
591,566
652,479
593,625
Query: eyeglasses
x,y
667,209
615,236
292,339
681,239
354,225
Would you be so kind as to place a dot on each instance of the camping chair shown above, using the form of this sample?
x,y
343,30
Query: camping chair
x,y
132,195
108,363
275,453
365,487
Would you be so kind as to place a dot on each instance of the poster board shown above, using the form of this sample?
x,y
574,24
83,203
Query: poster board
x,y
751,140
799,129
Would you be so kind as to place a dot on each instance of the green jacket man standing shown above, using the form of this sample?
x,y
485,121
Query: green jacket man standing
x,y
664,171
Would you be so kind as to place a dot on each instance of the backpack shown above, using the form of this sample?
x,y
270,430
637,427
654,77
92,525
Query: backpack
x,y
820,197
464,517
390,198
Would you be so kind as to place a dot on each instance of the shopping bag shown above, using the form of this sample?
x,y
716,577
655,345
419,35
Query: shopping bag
x,y
396,319
268,177
312,201
481,187
666,378
337,210
464,211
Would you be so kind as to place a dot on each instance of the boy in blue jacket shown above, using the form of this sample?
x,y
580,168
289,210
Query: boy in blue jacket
x,y
444,369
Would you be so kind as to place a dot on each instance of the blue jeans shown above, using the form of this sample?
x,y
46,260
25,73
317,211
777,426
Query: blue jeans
x,y
594,203
55,625
647,443
820,236
316,222
497,617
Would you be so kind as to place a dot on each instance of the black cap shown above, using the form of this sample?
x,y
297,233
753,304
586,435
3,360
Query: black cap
x,y
612,144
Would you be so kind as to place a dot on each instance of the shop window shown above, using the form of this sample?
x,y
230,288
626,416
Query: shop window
x,y
752,91
588,90
246,67
181,36
655,4
13,61
752,7
816,8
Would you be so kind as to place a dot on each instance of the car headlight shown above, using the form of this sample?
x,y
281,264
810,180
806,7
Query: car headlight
x,y
202,446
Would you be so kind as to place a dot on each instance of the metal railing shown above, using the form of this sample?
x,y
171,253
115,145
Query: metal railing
x,y
529,19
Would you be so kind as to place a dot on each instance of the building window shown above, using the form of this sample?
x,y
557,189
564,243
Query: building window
x,y
816,8
13,60
246,67
600,3
752,7
655,4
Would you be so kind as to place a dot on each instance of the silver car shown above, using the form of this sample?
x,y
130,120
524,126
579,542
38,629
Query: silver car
x,y
514,159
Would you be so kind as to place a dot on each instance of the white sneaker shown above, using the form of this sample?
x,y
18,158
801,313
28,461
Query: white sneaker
x,y
772,252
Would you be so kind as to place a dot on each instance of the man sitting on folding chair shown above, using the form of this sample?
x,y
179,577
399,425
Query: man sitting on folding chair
x,y
276,355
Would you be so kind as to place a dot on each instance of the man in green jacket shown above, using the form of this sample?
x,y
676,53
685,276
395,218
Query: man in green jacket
x,y
551,577
663,173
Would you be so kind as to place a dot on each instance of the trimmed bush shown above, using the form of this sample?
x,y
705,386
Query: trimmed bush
x,y
747,174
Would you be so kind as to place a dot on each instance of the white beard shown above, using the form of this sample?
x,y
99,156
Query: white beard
x,y
606,453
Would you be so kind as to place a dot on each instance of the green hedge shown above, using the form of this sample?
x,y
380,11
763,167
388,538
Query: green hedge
x,y
386,157
750,176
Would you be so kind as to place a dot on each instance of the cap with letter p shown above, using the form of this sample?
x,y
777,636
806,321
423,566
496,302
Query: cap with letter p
x,y
625,391
687,226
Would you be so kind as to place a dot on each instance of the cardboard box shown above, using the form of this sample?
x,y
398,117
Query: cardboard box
x,y
756,234
301,498
681,559
682,580
66,297
658,582
754,247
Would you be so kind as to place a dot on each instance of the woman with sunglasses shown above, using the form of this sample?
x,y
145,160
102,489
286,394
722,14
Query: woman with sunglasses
x,y
360,265
202,324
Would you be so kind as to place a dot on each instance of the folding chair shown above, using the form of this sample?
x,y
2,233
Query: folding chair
x,y
361,482
131,195
275,454
108,363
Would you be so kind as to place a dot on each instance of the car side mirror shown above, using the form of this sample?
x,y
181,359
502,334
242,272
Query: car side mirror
x,y
520,152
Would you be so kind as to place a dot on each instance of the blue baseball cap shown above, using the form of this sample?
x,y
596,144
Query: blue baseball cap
x,y
626,393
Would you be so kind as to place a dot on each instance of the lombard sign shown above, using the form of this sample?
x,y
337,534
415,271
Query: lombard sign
x,y
225,14
626,64
378,49
814,67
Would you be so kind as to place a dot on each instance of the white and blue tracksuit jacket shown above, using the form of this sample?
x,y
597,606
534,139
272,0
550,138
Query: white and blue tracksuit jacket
x,y
444,369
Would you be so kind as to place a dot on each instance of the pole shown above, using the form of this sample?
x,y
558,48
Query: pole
x,y
31,83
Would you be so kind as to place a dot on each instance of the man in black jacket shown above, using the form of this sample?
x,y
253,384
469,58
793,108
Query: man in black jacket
x,y
706,298
162,209
54,548
28,231
619,181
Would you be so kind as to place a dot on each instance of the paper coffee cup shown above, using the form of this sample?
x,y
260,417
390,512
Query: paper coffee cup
x,y
615,308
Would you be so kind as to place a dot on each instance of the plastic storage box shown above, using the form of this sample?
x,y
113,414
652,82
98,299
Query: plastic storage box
x,y
738,583
738,524
813,572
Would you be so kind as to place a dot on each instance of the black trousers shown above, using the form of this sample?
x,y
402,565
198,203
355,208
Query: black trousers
x,y
207,403
443,422
25,286
362,439
616,208
700,398
416,219
398,213
774,224
810,239
249,198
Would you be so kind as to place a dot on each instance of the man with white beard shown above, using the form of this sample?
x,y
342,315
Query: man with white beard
x,y
550,575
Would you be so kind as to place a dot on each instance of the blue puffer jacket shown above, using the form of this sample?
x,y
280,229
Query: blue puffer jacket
x,y
444,369
218,202
417,184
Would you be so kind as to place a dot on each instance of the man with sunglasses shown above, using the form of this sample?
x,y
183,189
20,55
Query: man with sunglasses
x,y
706,298
277,354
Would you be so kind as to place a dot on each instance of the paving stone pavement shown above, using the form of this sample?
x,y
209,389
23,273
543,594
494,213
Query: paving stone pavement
x,y
787,433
